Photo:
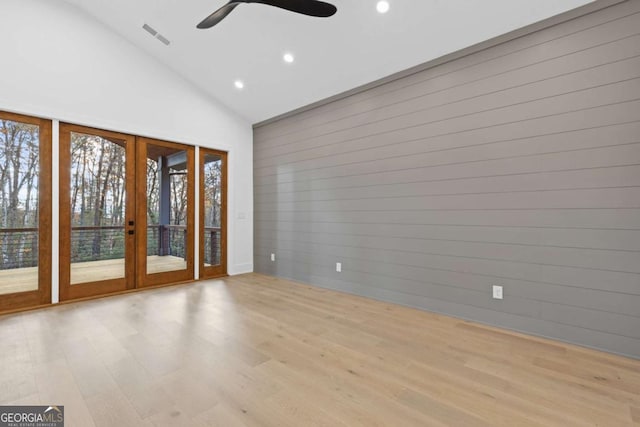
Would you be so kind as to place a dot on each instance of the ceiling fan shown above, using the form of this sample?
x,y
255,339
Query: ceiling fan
x,y
306,7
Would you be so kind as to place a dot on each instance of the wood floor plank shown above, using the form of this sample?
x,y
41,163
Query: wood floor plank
x,y
442,412
57,386
293,406
547,391
190,392
174,416
253,350
113,409
345,405
220,416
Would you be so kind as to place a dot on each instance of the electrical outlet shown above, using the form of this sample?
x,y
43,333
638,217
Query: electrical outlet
x,y
339,267
497,292
273,257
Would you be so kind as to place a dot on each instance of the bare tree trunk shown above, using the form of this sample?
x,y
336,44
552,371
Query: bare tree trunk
x,y
15,182
4,155
83,186
97,214
152,190
74,196
29,219
103,194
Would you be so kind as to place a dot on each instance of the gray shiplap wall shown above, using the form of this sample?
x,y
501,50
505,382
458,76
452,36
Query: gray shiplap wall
x,y
517,165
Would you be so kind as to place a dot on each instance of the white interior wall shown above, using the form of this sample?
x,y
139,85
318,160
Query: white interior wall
x,y
57,62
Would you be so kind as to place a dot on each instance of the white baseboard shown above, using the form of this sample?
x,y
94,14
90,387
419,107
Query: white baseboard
x,y
241,269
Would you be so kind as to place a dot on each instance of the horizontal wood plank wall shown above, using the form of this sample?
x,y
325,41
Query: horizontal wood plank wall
x,y
518,165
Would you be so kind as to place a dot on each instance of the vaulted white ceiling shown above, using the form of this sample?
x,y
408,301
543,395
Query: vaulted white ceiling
x,y
354,47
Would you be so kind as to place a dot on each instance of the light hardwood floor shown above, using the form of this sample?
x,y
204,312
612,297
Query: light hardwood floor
x,y
253,350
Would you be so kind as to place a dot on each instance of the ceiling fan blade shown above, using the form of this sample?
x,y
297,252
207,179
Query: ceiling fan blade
x,y
218,15
306,7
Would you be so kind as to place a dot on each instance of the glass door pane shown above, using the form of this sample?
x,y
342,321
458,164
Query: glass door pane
x,y
25,209
98,199
212,212
19,165
166,209
167,171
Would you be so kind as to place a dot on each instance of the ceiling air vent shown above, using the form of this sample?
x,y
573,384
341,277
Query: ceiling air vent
x,y
156,34
149,30
163,39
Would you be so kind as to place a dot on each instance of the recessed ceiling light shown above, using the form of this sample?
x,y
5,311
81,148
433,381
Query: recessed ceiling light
x,y
382,6
238,84
288,57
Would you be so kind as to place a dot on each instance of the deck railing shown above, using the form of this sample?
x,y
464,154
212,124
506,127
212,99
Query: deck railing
x,y
19,246
171,240
212,245
96,243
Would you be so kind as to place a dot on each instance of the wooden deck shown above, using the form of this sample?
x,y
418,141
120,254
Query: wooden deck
x,y
18,280
26,279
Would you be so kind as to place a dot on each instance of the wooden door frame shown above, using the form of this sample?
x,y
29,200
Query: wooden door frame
x,y
143,279
42,295
104,287
220,270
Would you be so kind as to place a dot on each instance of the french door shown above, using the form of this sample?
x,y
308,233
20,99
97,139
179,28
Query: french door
x,y
97,212
213,213
126,212
25,211
165,198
